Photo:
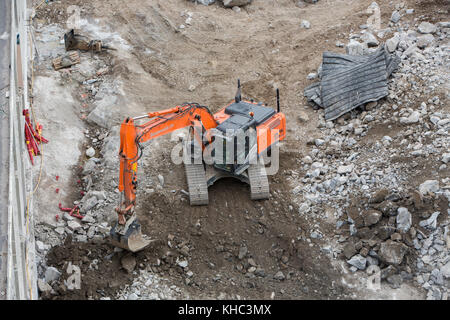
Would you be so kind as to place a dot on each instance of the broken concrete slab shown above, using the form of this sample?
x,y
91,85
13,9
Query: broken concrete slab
x,y
73,225
89,203
105,112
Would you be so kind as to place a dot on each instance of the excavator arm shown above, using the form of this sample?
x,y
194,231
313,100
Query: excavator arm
x,y
132,136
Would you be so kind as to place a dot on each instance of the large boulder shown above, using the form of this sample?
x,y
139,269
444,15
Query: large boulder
x,y
358,261
392,252
105,112
371,217
392,43
429,186
424,40
355,48
51,274
426,27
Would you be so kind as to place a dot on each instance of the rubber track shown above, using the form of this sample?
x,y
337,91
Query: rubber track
x,y
196,179
259,184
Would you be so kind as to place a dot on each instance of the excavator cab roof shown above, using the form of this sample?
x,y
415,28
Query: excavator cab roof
x,y
241,118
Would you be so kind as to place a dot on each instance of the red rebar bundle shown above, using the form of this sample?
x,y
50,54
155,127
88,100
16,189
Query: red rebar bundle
x,y
33,137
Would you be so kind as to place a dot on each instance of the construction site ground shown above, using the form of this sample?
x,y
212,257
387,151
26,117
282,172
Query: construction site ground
x,y
157,65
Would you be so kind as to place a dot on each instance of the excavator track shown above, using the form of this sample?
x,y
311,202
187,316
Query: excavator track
x,y
259,184
198,189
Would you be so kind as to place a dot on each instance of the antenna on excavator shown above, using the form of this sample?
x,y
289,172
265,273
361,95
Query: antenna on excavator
x,y
278,100
237,98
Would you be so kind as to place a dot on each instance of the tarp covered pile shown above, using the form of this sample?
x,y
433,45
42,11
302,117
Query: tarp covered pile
x,y
349,81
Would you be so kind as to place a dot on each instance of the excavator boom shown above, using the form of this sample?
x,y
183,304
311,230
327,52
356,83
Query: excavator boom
x,y
127,232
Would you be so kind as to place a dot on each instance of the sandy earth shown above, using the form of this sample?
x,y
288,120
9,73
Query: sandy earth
x,y
158,65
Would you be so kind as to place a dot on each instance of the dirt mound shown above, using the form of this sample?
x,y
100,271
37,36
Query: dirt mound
x,y
100,269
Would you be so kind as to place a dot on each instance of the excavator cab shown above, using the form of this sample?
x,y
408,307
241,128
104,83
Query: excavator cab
x,y
234,150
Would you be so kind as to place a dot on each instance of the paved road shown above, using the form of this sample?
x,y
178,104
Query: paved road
x,y
5,25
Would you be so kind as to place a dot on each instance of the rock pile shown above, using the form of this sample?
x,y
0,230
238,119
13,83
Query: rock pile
x,y
394,150
401,235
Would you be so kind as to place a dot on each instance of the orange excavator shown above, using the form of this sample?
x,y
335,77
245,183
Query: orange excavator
x,y
230,143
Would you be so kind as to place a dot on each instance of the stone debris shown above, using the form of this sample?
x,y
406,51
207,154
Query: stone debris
x,y
429,186
52,274
279,276
372,217
236,3
305,24
358,261
403,219
426,27
424,41
395,17
43,286
355,48
90,152
370,40
392,44
431,222
204,2
128,262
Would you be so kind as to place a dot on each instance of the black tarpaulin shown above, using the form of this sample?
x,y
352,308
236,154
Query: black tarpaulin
x,y
349,81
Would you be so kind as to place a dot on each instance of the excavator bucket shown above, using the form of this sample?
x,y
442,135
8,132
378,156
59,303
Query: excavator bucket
x,y
131,238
